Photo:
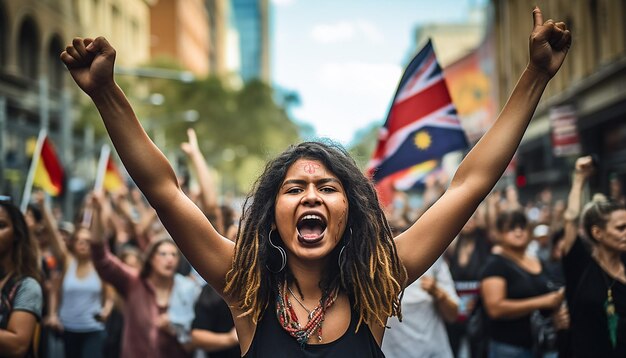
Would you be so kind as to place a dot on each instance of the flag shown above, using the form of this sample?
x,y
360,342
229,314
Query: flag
x,y
473,88
422,123
408,179
49,174
414,176
45,170
113,180
108,177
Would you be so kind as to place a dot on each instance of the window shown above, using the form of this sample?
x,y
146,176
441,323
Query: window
x,y
56,71
4,33
28,49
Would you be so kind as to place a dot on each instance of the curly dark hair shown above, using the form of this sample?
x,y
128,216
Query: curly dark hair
x,y
25,251
371,273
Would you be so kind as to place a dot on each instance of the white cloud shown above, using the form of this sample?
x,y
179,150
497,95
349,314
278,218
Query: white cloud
x,y
283,2
338,32
346,30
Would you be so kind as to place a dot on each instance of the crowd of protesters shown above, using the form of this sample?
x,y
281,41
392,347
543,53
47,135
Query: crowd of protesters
x,y
110,283
541,278
544,278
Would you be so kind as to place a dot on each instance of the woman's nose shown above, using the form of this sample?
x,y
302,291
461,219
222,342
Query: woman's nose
x,y
311,196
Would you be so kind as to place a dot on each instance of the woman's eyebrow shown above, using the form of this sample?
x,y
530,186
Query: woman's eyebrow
x,y
303,182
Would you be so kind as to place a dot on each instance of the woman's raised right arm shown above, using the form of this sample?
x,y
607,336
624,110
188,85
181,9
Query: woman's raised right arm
x,y
583,170
90,63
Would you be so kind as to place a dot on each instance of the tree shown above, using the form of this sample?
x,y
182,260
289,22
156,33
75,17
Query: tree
x,y
364,144
238,129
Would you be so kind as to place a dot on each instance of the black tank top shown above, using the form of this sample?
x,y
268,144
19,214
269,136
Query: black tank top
x,y
271,340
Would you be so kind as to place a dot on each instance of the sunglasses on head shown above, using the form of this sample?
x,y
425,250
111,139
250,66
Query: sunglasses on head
x,y
5,199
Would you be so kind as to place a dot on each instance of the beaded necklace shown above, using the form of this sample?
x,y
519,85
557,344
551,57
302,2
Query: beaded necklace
x,y
289,320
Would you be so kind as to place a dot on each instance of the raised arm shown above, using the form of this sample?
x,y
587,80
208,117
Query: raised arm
x,y
208,192
57,245
426,240
583,170
90,63
108,266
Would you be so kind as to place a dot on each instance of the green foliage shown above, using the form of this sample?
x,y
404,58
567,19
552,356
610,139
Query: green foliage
x,y
237,129
364,144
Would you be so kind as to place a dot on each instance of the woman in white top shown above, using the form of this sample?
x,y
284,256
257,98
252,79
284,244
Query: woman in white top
x,y
85,302
427,304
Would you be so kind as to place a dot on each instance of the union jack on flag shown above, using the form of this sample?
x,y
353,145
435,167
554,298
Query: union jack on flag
x,y
422,123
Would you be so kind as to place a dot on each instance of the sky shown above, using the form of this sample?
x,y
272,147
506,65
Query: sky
x,y
344,58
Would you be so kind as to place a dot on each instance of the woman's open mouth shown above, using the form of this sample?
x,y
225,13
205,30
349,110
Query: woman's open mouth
x,y
311,229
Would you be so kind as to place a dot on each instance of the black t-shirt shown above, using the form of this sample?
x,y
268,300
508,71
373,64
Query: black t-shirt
x,y
467,278
519,284
271,340
473,268
586,292
213,314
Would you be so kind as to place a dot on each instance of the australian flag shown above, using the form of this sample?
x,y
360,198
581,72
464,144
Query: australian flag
x,y
422,123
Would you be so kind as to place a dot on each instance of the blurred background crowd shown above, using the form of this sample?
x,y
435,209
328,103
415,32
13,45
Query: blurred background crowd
x,y
107,279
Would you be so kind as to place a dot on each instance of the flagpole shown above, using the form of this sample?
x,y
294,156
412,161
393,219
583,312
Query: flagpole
x,y
28,187
105,152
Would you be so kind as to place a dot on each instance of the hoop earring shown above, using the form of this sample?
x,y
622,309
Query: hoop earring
x,y
281,251
342,248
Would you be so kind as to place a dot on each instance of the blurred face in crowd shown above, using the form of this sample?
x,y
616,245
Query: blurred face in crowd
x,y
36,227
515,238
6,233
615,188
613,235
164,261
132,260
545,196
80,246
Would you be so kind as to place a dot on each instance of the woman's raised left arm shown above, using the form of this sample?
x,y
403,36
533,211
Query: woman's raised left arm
x,y
420,245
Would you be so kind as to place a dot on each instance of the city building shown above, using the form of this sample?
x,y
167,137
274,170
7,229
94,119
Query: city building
x,y
179,30
252,23
32,37
35,88
584,106
224,53
452,41
125,24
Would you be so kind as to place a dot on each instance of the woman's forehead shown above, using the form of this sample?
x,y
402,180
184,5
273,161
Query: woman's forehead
x,y
83,232
618,215
166,246
309,167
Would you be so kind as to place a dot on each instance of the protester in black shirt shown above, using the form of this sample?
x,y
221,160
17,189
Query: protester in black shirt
x,y
466,260
595,272
513,287
213,329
